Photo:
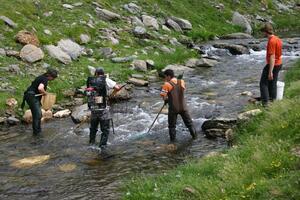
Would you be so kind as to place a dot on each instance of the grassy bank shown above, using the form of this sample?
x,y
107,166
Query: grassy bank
x,y
207,20
263,164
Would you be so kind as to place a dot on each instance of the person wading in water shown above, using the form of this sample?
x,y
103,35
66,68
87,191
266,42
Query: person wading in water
x,y
97,103
173,93
33,96
269,76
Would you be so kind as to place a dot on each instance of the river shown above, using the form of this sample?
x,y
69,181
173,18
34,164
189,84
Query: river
x,y
73,170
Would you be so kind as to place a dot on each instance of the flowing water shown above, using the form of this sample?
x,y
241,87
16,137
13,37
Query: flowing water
x,y
73,170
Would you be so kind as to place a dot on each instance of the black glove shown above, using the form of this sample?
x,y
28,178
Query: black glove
x,y
166,101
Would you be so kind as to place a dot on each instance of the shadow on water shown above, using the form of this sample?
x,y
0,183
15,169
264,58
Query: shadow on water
x,y
67,168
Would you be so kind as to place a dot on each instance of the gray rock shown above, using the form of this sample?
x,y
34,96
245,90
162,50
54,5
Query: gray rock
x,y
8,21
132,8
172,24
203,62
248,114
219,123
71,48
174,42
123,59
240,20
121,95
214,133
92,70
107,15
14,68
139,65
135,21
2,120
47,32
68,6
78,4
58,54
48,14
150,22
12,53
107,52
113,40
183,23
165,49
138,82
233,48
138,76
2,52
12,121
31,53
139,31
80,114
178,69
165,28
237,36
84,38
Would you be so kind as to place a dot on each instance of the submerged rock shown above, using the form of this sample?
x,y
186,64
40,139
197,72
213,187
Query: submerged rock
x,y
30,161
234,49
81,114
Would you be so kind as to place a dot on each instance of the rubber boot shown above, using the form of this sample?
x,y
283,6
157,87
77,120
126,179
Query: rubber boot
x,y
92,136
193,132
172,133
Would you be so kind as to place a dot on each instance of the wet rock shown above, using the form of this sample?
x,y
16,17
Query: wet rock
x,y
138,82
80,114
139,31
107,52
139,65
219,123
150,22
8,21
12,121
247,93
71,48
62,113
107,15
58,54
233,48
203,62
31,53
30,161
11,102
3,120
178,69
84,38
27,117
123,59
12,53
172,24
247,115
26,37
240,20
132,8
183,23
67,167
121,95
237,36
2,52
46,115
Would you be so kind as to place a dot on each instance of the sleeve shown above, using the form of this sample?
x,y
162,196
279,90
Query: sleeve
x,y
44,81
165,89
272,47
110,83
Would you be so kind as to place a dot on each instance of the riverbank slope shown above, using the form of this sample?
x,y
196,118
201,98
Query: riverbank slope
x,y
263,163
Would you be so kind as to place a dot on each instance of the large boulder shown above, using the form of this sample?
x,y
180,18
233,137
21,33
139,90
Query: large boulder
x,y
132,8
140,31
234,49
26,37
71,48
203,62
31,53
107,15
183,23
218,127
81,114
135,21
58,54
172,24
178,69
138,82
107,52
150,22
237,36
123,94
139,65
240,20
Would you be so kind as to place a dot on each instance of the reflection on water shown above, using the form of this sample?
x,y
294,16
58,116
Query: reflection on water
x,y
67,168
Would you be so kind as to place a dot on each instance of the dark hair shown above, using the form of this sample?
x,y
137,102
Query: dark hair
x,y
267,28
99,71
51,72
169,72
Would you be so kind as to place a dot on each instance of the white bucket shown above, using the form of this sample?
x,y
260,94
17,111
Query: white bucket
x,y
280,88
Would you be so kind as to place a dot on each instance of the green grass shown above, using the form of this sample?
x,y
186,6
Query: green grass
x,y
207,21
261,165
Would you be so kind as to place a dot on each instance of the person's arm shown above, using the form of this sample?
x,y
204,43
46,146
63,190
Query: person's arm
x,y
271,67
164,92
41,89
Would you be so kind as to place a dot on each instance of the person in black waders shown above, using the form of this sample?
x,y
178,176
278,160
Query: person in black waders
x,y
33,96
97,87
173,93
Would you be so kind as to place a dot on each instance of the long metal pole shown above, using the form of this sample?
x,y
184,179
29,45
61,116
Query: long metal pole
x,y
156,117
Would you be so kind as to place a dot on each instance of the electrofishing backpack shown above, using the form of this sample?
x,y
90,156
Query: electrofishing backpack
x,y
96,92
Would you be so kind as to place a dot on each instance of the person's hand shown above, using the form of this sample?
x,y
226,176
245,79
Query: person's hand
x,y
166,101
117,88
270,77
